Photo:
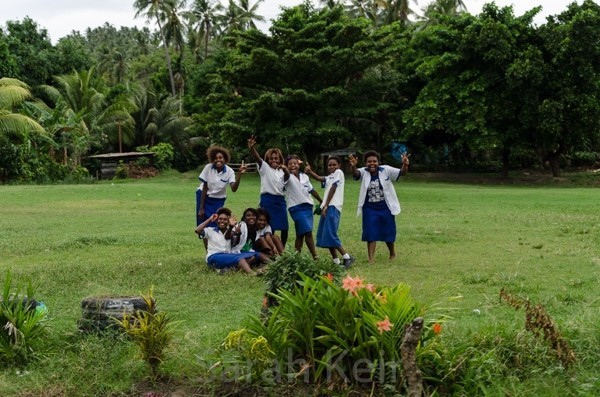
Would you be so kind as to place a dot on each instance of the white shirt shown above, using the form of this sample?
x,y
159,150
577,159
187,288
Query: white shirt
x,y
243,237
387,175
261,233
217,243
335,178
271,180
297,190
216,181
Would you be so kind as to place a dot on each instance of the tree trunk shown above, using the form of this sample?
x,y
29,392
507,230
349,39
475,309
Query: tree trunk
x,y
505,161
168,57
554,165
553,159
408,348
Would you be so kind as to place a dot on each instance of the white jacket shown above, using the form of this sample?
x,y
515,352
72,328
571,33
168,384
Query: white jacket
x,y
387,175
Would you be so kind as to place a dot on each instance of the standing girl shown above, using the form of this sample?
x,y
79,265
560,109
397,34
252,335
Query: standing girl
x,y
214,178
377,201
298,191
331,209
271,187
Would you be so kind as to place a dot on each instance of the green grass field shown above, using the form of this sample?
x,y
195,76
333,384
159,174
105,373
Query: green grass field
x,y
459,241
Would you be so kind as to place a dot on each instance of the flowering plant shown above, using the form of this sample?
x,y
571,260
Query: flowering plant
x,y
350,333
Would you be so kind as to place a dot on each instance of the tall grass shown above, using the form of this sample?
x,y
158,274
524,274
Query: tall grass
x,y
454,240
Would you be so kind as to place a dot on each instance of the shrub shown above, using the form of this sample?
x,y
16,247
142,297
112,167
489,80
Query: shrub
x,y
151,331
163,155
285,272
22,323
322,332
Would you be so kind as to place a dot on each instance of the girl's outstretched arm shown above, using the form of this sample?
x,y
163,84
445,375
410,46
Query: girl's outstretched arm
x,y
252,147
310,172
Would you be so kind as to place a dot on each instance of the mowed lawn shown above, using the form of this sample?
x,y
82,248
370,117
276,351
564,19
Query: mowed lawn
x,y
458,245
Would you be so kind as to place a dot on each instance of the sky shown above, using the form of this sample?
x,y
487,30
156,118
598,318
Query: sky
x,y
61,17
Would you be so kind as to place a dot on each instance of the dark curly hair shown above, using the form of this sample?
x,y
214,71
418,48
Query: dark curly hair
x,y
212,152
371,153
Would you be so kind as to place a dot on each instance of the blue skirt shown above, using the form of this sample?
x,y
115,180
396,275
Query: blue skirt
x,y
378,224
227,260
211,205
277,210
302,214
328,226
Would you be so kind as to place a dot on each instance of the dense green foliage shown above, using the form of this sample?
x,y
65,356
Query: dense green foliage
x,y
487,92
23,321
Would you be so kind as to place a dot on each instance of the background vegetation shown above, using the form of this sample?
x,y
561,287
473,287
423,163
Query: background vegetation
x,y
458,246
487,92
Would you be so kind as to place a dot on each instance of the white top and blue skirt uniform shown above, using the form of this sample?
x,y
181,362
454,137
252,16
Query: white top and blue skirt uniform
x,y
327,236
378,204
217,190
300,202
272,196
219,254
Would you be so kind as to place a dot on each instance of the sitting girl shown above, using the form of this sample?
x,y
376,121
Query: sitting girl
x,y
219,253
266,241
244,236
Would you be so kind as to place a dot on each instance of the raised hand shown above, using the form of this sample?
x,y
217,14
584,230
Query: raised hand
x,y
251,141
353,160
243,168
405,160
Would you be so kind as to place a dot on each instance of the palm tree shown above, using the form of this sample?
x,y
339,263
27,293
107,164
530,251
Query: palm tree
x,y
92,117
370,9
248,14
159,10
204,16
15,126
441,7
397,10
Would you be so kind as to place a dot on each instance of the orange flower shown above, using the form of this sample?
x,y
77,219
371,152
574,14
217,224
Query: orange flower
x,y
352,285
384,325
359,283
370,288
349,284
329,276
265,302
437,328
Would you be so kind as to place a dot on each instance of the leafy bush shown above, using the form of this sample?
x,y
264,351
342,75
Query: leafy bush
x,y
323,332
285,272
22,323
163,155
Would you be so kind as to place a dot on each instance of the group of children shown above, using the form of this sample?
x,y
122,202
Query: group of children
x,y
252,242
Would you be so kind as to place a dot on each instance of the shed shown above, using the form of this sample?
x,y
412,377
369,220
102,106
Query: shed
x,y
109,161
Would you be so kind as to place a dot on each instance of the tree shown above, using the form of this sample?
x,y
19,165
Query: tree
x,y
249,14
567,107
296,87
14,126
159,10
17,131
101,116
433,10
204,16
466,101
33,52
